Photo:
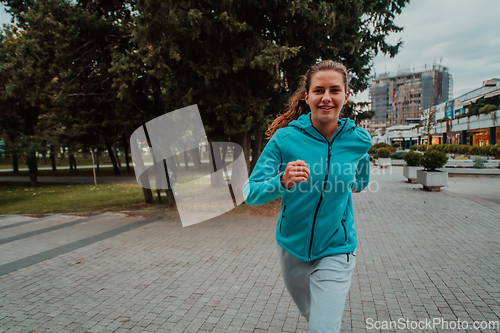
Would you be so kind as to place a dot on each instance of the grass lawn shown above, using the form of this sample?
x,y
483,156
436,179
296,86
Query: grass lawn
x,y
103,172
6,162
63,198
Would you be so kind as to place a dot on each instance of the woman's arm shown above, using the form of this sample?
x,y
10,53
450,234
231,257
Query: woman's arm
x,y
362,174
264,184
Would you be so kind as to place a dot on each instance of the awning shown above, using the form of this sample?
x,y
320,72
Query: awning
x,y
492,93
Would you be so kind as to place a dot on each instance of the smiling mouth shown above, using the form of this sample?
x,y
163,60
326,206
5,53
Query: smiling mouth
x,y
326,108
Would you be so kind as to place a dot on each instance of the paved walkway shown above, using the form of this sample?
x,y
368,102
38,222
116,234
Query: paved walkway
x,y
421,256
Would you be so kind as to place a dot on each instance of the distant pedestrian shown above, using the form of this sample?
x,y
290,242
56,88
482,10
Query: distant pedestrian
x,y
314,161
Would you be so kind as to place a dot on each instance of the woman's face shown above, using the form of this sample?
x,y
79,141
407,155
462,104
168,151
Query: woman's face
x,y
326,96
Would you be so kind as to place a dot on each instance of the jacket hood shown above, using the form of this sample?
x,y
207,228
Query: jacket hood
x,y
303,123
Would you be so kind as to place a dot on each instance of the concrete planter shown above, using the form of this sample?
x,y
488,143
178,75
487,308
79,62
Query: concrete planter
x,y
384,162
410,172
397,162
432,180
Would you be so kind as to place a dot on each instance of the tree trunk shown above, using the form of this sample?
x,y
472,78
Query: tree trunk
x,y
113,159
97,154
195,157
186,159
53,161
148,195
216,178
33,170
126,147
72,162
15,164
245,144
176,160
257,144
224,151
238,176
118,162
44,157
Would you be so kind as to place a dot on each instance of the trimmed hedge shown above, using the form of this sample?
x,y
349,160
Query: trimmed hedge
x,y
412,158
434,159
398,155
383,153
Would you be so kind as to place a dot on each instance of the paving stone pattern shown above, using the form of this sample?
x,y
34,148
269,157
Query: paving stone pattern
x,y
421,255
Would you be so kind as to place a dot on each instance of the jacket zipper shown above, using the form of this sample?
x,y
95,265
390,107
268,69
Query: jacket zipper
x,y
282,217
324,184
345,231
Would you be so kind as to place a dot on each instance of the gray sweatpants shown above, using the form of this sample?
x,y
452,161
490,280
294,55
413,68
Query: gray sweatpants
x,y
319,287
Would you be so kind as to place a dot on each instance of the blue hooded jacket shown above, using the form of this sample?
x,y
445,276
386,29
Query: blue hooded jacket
x,y
316,218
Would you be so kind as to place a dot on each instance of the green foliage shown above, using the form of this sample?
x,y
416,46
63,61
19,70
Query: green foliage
x,y
451,148
474,150
434,159
63,198
83,73
464,149
383,153
473,109
443,120
495,150
360,116
380,145
485,150
479,163
398,155
419,147
413,158
488,108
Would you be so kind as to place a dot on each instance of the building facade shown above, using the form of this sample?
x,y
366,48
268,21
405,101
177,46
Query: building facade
x,y
396,97
453,122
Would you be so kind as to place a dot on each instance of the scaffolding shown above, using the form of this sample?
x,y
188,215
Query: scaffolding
x,y
397,96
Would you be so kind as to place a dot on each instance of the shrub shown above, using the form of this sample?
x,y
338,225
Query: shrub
x,y
381,145
383,153
398,155
464,149
372,151
434,159
478,163
421,147
486,150
488,108
412,158
463,115
474,150
495,150
453,149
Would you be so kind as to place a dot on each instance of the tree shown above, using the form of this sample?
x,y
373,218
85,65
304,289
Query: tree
x,y
428,126
240,60
64,52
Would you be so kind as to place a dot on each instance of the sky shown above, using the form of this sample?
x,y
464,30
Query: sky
x,y
461,35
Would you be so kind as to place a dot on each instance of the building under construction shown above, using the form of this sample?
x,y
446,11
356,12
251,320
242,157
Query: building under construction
x,y
398,98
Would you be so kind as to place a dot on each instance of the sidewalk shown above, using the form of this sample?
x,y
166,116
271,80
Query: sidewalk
x,y
421,255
